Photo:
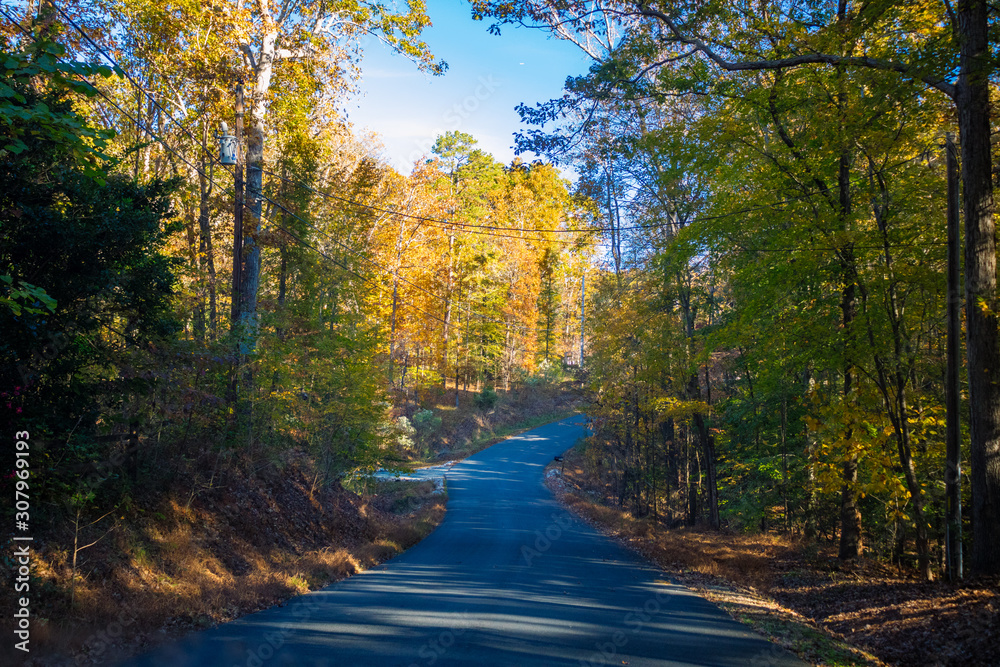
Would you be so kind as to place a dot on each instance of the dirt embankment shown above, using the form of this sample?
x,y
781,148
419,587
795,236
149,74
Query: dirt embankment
x,y
801,596
202,556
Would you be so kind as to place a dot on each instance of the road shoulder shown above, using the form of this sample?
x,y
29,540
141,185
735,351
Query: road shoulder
x,y
747,604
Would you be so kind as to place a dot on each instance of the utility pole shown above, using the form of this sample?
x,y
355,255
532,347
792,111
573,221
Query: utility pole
x,y
231,154
583,304
238,216
449,297
953,434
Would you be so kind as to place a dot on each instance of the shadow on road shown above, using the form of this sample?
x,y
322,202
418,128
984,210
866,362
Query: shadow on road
x,y
509,578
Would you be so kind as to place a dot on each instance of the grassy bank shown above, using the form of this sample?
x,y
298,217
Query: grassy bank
x,y
202,556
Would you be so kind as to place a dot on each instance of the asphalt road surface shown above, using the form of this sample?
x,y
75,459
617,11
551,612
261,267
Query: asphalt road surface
x,y
508,578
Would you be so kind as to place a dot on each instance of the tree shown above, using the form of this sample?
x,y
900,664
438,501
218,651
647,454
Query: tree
x,y
93,239
548,305
179,54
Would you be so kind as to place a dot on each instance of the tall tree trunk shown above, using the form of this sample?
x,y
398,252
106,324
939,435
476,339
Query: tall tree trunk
x,y
810,530
250,276
198,311
466,345
613,222
707,443
912,484
583,310
447,312
282,286
251,249
850,511
894,392
711,485
953,444
784,464
392,329
983,338
279,330
695,482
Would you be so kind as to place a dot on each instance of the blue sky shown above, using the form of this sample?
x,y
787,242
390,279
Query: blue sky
x,y
487,77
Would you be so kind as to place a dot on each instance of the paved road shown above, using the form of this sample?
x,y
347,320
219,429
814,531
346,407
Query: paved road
x,y
509,578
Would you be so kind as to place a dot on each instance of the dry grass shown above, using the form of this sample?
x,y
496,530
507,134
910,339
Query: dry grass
x,y
742,559
802,597
165,571
733,571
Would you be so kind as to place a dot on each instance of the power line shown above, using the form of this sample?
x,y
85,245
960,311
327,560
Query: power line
x,y
290,234
207,152
833,249
174,152
448,224
124,72
439,223
199,171
468,225
490,229
469,313
388,272
344,267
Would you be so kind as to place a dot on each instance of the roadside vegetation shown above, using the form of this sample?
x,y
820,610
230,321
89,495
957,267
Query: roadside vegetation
x,y
198,412
435,430
168,563
189,551
754,276
779,338
795,590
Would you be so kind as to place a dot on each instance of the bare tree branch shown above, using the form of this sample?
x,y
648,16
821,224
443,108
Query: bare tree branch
x,y
906,69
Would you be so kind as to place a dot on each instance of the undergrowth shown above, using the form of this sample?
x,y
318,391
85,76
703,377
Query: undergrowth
x,y
733,570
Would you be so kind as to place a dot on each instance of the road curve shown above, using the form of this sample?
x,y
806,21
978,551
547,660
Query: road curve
x,y
508,578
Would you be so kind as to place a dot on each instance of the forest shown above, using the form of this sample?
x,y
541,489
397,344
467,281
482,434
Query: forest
x,y
355,286
762,243
776,342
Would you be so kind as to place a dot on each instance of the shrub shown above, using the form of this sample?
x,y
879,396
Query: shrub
x,y
405,433
486,399
426,422
549,374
